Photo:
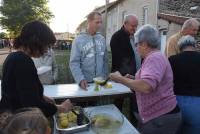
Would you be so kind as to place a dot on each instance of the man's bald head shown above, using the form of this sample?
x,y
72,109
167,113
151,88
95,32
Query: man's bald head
x,y
190,27
130,23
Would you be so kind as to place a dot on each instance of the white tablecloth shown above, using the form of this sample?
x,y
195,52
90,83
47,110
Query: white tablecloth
x,y
127,127
74,91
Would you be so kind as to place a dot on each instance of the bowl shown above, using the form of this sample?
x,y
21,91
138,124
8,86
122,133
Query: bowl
x,y
105,121
99,80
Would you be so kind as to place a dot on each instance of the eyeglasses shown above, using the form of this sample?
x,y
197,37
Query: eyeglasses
x,y
137,43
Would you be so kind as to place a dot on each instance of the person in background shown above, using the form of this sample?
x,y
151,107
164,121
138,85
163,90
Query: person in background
x,y
20,85
88,57
190,27
26,121
185,66
125,58
47,60
158,112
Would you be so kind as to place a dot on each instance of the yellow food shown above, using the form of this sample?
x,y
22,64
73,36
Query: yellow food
x,y
66,118
108,85
105,122
64,123
98,80
61,115
102,122
71,117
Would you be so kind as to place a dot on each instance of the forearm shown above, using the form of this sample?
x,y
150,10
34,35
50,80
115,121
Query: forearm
x,y
136,85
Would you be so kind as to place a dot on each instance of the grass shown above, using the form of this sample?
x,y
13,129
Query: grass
x,y
65,77
64,73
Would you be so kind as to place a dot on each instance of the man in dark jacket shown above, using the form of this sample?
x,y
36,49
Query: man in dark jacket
x,y
125,58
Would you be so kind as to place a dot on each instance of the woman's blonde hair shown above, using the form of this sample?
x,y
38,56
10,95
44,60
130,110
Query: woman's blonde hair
x,y
26,121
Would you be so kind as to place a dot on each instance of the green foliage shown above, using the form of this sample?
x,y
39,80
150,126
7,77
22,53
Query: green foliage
x,y
3,35
15,13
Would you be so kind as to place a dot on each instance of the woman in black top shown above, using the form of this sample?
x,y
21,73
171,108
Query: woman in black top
x,y
186,70
21,86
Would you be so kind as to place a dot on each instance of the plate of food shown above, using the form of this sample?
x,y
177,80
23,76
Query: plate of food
x,y
101,82
104,121
73,121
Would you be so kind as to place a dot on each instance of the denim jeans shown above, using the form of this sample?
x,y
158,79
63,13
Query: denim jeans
x,y
190,108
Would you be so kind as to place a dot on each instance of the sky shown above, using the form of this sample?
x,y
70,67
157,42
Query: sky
x,y
70,13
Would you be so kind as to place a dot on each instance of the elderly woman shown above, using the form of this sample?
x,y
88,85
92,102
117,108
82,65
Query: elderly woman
x,y
153,84
186,70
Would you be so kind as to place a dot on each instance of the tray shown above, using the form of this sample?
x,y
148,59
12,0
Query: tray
x,y
73,129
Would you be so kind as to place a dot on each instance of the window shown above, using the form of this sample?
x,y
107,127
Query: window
x,y
163,40
145,15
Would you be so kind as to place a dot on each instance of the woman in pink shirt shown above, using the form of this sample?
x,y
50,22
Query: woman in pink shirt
x,y
158,112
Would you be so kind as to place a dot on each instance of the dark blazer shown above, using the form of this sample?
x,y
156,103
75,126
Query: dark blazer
x,y
123,57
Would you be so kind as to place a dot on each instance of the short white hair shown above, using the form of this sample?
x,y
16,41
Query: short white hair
x,y
127,17
192,22
148,34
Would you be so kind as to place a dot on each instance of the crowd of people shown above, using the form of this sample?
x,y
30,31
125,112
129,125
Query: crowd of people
x,y
166,88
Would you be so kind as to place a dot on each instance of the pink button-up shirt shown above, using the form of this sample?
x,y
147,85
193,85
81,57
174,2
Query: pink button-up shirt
x,y
157,72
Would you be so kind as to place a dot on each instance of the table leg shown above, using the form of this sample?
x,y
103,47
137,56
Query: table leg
x,y
132,108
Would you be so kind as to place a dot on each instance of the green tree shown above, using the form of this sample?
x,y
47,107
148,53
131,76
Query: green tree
x,y
3,35
15,13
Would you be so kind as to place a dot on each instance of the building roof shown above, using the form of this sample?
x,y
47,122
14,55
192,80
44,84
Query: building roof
x,y
113,4
184,8
173,18
100,9
177,11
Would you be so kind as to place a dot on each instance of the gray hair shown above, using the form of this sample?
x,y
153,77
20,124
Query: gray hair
x,y
192,22
128,17
148,34
186,41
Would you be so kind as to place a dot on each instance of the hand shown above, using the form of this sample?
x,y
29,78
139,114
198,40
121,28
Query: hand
x,y
65,106
115,76
129,76
50,100
83,84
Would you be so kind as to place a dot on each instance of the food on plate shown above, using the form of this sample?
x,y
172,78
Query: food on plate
x,y
65,119
96,87
108,85
105,121
98,80
62,115
102,122
64,123
72,117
